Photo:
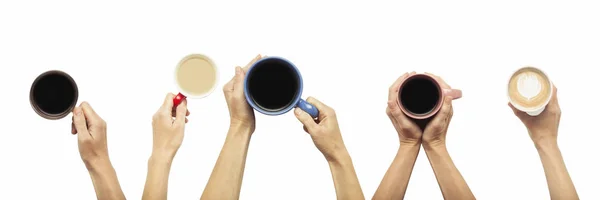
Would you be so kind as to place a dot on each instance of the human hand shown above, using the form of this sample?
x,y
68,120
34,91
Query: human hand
x,y
324,131
545,125
168,126
435,131
240,113
408,131
91,135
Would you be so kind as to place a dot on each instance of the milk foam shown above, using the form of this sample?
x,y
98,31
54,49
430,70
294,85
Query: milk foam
x,y
528,85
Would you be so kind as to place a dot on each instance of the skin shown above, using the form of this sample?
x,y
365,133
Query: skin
x,y
433,139
91,139
326,135
225,181
168,126
543,131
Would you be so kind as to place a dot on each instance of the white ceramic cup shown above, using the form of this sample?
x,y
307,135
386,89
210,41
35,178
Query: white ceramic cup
x,y
532,111
182,93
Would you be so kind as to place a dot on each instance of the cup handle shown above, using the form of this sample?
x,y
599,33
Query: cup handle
x,y
178,99
308,108
454,93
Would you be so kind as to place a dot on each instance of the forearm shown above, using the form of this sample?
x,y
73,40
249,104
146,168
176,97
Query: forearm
x,y
104,178
157,179
395,181
451,182
226,179
558,179
345,180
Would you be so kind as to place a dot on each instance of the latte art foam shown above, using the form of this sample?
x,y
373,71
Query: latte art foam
x,y
529,88
528,85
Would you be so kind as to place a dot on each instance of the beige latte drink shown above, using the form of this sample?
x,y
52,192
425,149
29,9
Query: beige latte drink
x,y
529,90
196,77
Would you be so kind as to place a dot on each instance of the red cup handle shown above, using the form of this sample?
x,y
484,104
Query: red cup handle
x,y
178,99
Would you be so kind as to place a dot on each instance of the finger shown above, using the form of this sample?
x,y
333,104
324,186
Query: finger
x,y
181,111
167,105
186,120
80,123
174,113
304,118
305,129
393,91
258,57
516,111
238,80
324,110
89,113
445,112
73,130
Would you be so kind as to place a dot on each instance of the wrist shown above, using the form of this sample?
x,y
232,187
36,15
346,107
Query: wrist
x,y
97,163
240,129
161,156
411,143
434,145
340,156
545,143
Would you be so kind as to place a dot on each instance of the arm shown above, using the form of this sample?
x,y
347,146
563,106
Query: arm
x,y
344,178
167,136
104,178
93,148
326,135
451,182
558,178
543,131
157,180
225,182
395,181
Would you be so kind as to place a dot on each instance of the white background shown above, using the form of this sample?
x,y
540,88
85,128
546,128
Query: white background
x,y
122,56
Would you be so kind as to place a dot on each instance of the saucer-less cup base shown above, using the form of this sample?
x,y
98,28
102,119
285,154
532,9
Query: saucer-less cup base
x,y
53,94
273,86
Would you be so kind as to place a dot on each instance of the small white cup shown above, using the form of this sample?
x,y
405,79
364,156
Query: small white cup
x,y
182,93
533,111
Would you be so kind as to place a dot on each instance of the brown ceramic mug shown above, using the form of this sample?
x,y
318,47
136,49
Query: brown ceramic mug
x,y
53,94
421,96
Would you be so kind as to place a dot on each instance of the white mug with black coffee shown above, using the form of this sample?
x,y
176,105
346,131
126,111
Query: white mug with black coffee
x,y
529,90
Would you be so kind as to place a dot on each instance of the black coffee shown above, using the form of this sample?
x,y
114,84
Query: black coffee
x,y
54,93
273,85
419,95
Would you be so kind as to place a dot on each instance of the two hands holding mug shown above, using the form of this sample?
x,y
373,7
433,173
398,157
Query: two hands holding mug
x,y
432,135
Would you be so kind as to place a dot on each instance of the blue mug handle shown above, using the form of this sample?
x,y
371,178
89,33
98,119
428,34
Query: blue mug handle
x,y
308,108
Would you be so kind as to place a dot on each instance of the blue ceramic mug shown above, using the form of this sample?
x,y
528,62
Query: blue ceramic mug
x,y
273,86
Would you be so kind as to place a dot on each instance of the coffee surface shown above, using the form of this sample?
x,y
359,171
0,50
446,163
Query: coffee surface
x,y
419,96
54,94
273,85
196,75
529,88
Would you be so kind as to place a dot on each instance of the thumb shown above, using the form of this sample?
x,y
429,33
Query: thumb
x,y
80,123
304,118
181,112
517,112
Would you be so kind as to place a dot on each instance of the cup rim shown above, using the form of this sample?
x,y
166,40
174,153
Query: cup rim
x,y
531,109
200,56
294,101
37,108
433,111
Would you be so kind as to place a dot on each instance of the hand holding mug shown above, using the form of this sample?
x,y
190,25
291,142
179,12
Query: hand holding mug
x,y
240,113
91,135
168,127
408,130
325,131
544,125
436,129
